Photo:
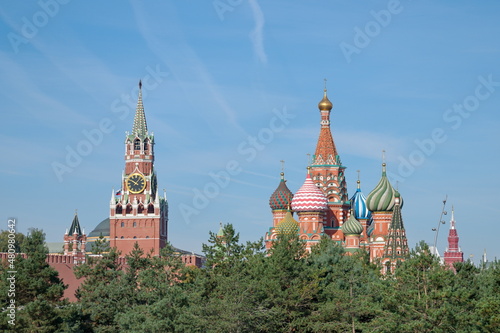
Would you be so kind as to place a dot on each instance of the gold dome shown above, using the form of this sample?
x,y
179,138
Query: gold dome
x,y
325,103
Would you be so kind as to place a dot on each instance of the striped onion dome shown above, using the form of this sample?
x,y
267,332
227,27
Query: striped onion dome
x,y
358,204
281,197
352,226
381,199
288,226
309,198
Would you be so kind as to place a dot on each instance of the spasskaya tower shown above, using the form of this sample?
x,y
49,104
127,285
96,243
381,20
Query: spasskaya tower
x,y
137,212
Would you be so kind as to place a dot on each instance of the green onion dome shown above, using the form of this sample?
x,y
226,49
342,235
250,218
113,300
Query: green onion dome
x,y
288,226
381,199
352,226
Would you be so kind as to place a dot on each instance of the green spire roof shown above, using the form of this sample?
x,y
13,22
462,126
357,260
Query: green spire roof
x,y
140,128
75,226
396,244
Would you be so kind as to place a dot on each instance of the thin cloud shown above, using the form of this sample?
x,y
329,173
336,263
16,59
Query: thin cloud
x,y
257,35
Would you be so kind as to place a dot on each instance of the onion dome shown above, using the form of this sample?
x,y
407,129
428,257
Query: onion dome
x,y
288,226
282,196
325,103
358,204
309,198
352,226
381,199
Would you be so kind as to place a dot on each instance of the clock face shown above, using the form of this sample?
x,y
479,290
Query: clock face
x,y
136,183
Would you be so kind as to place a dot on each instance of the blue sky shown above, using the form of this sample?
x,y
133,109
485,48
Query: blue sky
x,y
231,87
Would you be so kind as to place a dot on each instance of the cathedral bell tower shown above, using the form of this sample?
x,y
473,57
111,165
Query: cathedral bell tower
x,y
137,212
327,172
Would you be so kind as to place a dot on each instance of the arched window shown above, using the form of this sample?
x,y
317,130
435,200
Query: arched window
x,y
147,237
134,224
122,224
146,145
121,237
135,237
137,144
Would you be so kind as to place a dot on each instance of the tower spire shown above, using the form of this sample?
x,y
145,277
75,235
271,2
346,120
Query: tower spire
x,y
326,153
140,128
453,253
396,244
75,226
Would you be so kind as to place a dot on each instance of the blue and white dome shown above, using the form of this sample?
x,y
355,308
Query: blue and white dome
x,y
358,204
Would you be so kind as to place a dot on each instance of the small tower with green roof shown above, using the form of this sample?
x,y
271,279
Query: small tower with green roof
x,y
352,230
75,240
380,202
396,245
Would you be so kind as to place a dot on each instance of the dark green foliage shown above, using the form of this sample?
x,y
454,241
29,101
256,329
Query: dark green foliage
x,y
4,238
100,245
246,289
38,289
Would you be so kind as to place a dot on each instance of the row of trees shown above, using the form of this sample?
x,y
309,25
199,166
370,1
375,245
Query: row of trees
x,y
242,288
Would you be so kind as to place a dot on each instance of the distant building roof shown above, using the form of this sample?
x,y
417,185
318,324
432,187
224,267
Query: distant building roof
x,y
102,228
55,247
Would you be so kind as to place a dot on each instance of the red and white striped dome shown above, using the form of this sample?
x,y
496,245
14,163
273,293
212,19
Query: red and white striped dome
x,y
309,198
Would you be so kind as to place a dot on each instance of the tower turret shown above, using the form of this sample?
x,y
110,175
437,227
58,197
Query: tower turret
x,y
327,172
380,202
75,240
361,211
280,200
396,244
311,205
352,230
453,253
139,216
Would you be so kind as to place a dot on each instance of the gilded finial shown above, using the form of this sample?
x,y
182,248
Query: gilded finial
x,y
325,104
282,166
358,181
308,159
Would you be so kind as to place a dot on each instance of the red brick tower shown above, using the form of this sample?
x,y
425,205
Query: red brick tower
x,y
327,172
75,241
453,253
381,203
311,206
279,202
352,230
138,213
